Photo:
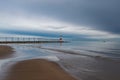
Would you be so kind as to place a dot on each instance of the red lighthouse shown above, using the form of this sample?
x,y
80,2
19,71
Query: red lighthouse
x,y
60,39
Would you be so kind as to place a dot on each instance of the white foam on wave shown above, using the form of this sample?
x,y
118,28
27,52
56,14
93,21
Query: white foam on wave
x,y
51,58
4,66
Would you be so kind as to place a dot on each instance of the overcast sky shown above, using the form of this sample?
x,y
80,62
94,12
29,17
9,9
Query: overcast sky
x,y
72,18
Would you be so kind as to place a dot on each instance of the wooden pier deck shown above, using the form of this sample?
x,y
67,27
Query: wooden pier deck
x,y
10,40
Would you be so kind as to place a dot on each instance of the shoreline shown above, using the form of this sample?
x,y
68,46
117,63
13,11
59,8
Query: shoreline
x,y
6,51
33,69
37,69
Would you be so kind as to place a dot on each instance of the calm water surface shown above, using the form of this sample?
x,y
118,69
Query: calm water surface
x,y
85,60
93,60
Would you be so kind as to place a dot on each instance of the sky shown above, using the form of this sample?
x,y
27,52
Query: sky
x,y
91,19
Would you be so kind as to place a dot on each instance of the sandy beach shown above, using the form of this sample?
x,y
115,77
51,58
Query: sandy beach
x,y
37,69
33,63
34,69
6,51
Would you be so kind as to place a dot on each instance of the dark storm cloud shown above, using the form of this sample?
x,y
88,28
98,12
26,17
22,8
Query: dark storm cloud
x,y
95,17
98,14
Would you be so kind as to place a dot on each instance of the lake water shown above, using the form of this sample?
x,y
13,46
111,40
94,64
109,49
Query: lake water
x,y
101,49
85,60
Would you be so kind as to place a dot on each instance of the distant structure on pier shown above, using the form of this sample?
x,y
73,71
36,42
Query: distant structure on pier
x,y
29,40
61,39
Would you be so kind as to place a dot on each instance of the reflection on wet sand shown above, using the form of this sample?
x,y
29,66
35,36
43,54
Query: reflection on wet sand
x,y
31,69
5,51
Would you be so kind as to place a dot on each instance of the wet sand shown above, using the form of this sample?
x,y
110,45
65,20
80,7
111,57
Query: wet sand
x,y
5,51
37,69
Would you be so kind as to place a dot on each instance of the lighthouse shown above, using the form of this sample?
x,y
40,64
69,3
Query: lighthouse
x,y
60,39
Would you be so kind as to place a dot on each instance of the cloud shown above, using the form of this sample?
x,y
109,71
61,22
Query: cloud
x,y
35,24
99,14
95,18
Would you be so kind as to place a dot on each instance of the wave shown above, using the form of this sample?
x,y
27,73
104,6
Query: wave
x,y
115,53
79,53
114,49
82,54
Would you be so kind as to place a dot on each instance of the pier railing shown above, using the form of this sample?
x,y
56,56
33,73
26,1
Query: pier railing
x,y
27,40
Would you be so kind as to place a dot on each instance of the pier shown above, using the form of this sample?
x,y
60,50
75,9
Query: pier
x,y
6,40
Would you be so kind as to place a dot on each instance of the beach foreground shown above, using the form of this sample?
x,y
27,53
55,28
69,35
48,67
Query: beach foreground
x,y
5,51
34,69
37,69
